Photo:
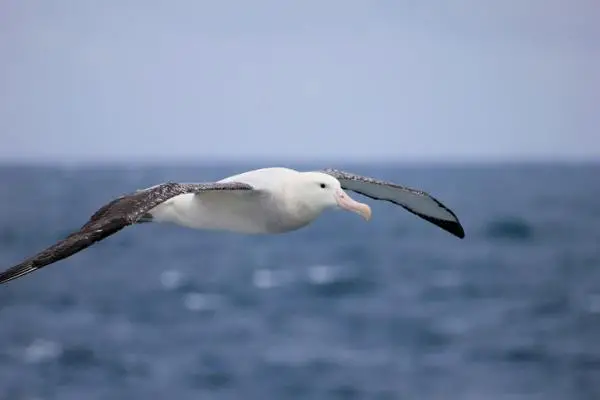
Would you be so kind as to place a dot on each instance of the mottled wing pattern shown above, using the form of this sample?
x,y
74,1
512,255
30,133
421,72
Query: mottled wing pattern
x,y
111,218
416,201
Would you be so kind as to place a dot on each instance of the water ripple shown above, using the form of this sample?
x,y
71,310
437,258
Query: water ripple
x,y
339,310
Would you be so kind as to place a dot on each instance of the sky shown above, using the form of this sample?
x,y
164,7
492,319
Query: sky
x,y
396,80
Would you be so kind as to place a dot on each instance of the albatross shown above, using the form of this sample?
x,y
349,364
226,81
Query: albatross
x,y
267,200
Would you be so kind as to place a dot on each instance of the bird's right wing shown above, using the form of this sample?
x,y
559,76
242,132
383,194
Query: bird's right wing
x,y
415,201
111,218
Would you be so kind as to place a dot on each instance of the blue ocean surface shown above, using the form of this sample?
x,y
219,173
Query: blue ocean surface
x,y
342,309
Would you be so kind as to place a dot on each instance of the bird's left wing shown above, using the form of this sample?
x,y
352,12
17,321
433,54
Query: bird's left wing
x,y
111,218
415,201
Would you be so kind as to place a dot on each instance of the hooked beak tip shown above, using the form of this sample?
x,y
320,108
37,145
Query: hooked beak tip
x,y
365,212
347,203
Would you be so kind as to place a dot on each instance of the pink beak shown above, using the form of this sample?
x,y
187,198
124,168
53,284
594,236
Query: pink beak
x,y
348,203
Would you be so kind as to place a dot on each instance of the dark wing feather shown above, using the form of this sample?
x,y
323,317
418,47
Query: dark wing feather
x,y
111,218
415,201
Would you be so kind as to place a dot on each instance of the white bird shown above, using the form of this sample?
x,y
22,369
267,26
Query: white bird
x,y
267,200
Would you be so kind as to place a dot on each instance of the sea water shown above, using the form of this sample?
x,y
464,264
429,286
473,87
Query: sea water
x,y
391,309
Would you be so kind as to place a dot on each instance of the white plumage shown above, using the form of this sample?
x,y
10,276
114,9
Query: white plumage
x,y
267,200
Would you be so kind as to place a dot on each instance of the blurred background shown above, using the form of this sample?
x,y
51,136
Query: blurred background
x,y
492,107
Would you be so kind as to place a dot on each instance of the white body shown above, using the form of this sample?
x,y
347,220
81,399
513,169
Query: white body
x,y
277,200
275,206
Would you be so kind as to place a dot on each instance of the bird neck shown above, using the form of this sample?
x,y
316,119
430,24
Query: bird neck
x,y
300,207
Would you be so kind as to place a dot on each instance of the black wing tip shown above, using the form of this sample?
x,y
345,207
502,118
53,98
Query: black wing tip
x,y
457,230
16,272
453,227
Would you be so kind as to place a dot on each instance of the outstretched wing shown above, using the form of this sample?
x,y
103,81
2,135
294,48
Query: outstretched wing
x,y
415,201
111,218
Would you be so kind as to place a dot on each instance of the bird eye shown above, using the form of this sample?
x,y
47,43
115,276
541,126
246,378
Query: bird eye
x,y
323,186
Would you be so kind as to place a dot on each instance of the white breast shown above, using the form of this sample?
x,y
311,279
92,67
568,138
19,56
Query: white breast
x,y
243,212
264,210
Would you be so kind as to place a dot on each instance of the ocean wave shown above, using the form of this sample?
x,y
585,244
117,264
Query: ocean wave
x,y
512,228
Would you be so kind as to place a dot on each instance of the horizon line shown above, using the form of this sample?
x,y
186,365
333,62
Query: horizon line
x,y
326,161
